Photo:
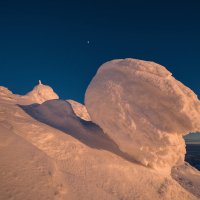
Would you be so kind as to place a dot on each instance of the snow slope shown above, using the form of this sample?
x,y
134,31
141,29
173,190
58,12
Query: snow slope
x,y
145,110
24,169
47,152
80,110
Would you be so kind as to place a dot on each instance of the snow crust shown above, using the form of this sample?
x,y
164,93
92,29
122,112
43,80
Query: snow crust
x,y
144,109
51,151
4,91
80,110
47,152
188,177
41,93
57,113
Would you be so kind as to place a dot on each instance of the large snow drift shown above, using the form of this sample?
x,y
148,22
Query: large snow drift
x,y
144,110
48,152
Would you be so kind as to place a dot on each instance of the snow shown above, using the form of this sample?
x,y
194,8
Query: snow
x,y
49,151
192,138
41,93
80,110
188,177
22,166
144,109
4,91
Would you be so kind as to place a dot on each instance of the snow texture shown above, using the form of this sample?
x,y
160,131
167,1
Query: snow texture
x,y
4,91
72,159
41,93
47,151
80,110
144,109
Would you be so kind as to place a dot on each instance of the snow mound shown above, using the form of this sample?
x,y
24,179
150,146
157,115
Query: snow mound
x,y
80,110
41,93
57,113
144,109
4,91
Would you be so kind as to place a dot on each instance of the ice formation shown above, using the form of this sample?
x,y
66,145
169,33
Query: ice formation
x,y
144,109
41,93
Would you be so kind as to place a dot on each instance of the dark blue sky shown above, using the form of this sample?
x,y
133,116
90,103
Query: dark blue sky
x,y
47,40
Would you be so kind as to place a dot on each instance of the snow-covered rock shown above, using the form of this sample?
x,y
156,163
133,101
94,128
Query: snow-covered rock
x,y
144,109
80,110
41,93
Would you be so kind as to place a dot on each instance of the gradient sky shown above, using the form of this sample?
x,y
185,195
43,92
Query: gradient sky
x,y
47,40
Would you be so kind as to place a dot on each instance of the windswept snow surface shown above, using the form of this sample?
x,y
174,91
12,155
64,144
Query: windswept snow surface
x,y
47,152
41,93
80,110
144,109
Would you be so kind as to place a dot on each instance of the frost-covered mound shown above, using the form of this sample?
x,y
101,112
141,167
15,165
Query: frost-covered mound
x,y
41,93
80,110
4,91
47,152
144,110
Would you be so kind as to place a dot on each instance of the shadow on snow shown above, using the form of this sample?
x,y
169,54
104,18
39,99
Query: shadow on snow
x,y
60,115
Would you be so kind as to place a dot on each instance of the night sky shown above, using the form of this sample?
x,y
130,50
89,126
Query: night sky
x,y
48,40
